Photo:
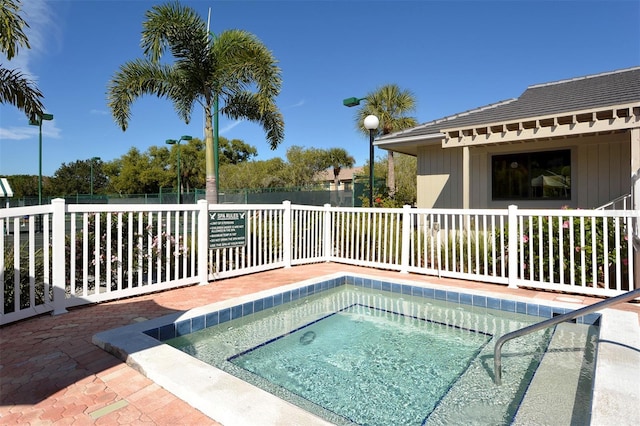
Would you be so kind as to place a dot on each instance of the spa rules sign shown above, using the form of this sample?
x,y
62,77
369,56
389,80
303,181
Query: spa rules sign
x,y
227,229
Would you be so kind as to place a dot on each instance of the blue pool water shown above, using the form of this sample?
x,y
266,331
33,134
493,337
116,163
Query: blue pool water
x,y
367,357
377,356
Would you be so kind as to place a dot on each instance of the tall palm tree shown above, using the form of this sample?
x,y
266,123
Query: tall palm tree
x,y
390,104
206,68
15,88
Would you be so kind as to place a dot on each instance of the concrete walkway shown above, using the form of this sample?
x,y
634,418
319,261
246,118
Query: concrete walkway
x,y
51,373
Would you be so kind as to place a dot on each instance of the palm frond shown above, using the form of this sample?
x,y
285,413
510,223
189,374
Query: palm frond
x,y
176,27
249,105
134,79
243,59
17,90
11,28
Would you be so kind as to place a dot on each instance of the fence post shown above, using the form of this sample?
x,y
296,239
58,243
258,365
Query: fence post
x,y
512,246
58,250
406,239
286,233
203,242
327,231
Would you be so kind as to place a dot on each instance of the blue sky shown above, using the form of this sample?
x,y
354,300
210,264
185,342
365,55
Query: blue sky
x,y
452,55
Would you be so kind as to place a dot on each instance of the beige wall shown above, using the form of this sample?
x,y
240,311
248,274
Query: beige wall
x,y
439,183
601,171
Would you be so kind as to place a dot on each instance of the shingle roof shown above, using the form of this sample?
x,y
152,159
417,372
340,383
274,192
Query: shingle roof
x,y
576,94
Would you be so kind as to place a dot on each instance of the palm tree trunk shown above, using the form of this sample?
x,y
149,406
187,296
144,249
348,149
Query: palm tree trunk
x,y
211,193
391,174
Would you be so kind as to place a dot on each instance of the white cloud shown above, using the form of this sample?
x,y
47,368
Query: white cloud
x,y
298,104
230,126
43,34
98,112
17,133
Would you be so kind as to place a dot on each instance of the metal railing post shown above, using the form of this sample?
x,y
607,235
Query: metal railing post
x,y
497,351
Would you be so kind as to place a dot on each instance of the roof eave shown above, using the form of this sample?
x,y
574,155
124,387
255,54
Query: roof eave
x,y
409,145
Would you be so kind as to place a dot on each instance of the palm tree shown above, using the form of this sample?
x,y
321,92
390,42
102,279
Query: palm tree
x,y
339,158
207,68
15,88
390,104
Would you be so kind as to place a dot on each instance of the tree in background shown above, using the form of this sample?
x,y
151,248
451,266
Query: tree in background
x,y
24,185
390,104
15,88
207,68
148,172
192,164
253,174
141,173
304,164
236,151
337,159
75,178
406,185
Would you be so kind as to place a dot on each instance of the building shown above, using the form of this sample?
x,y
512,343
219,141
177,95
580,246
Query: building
x,y
345,178
569,143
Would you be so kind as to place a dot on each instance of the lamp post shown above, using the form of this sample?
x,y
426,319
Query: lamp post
x,y
93,160
177,142
38,122
351,102
371,123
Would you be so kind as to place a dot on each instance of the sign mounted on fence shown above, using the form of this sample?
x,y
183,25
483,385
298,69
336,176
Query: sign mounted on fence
x,y
227,229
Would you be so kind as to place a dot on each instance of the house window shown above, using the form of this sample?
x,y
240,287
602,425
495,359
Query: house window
x,y
531,176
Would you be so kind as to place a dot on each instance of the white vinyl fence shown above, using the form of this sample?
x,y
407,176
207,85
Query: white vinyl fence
x,y
62,255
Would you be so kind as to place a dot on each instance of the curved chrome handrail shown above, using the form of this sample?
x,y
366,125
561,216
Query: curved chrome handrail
x,y
497,359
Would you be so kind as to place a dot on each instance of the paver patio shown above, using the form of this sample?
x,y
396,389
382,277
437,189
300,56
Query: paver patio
x,y
51,373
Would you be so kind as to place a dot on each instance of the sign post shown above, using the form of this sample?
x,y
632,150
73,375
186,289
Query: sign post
x,y
227,229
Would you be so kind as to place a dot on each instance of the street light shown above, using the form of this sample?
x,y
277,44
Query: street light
x,y
351,102
38,122
93,160
371,123
177,142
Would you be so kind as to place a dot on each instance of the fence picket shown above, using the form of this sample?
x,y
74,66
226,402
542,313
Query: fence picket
x,y
133,249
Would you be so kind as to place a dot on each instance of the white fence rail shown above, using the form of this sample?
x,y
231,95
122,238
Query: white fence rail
x,y
58,256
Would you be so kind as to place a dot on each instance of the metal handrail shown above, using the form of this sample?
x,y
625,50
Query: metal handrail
x,y
497,359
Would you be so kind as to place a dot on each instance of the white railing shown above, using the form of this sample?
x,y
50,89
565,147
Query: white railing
x,y
68,255
587,252
624,202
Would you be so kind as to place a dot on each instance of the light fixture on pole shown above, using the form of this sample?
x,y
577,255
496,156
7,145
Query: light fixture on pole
x,y
177,142
37,121
351,102
371,123
92,161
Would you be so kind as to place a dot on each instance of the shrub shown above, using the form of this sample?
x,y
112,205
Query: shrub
x,y
24,278
544,258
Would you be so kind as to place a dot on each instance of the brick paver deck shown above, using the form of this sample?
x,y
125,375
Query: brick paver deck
x,y
51,373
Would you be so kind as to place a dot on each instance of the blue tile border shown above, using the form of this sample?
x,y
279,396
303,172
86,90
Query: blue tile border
x,y
180,328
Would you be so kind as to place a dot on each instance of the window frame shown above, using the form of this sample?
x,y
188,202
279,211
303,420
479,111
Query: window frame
x,y
528,165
